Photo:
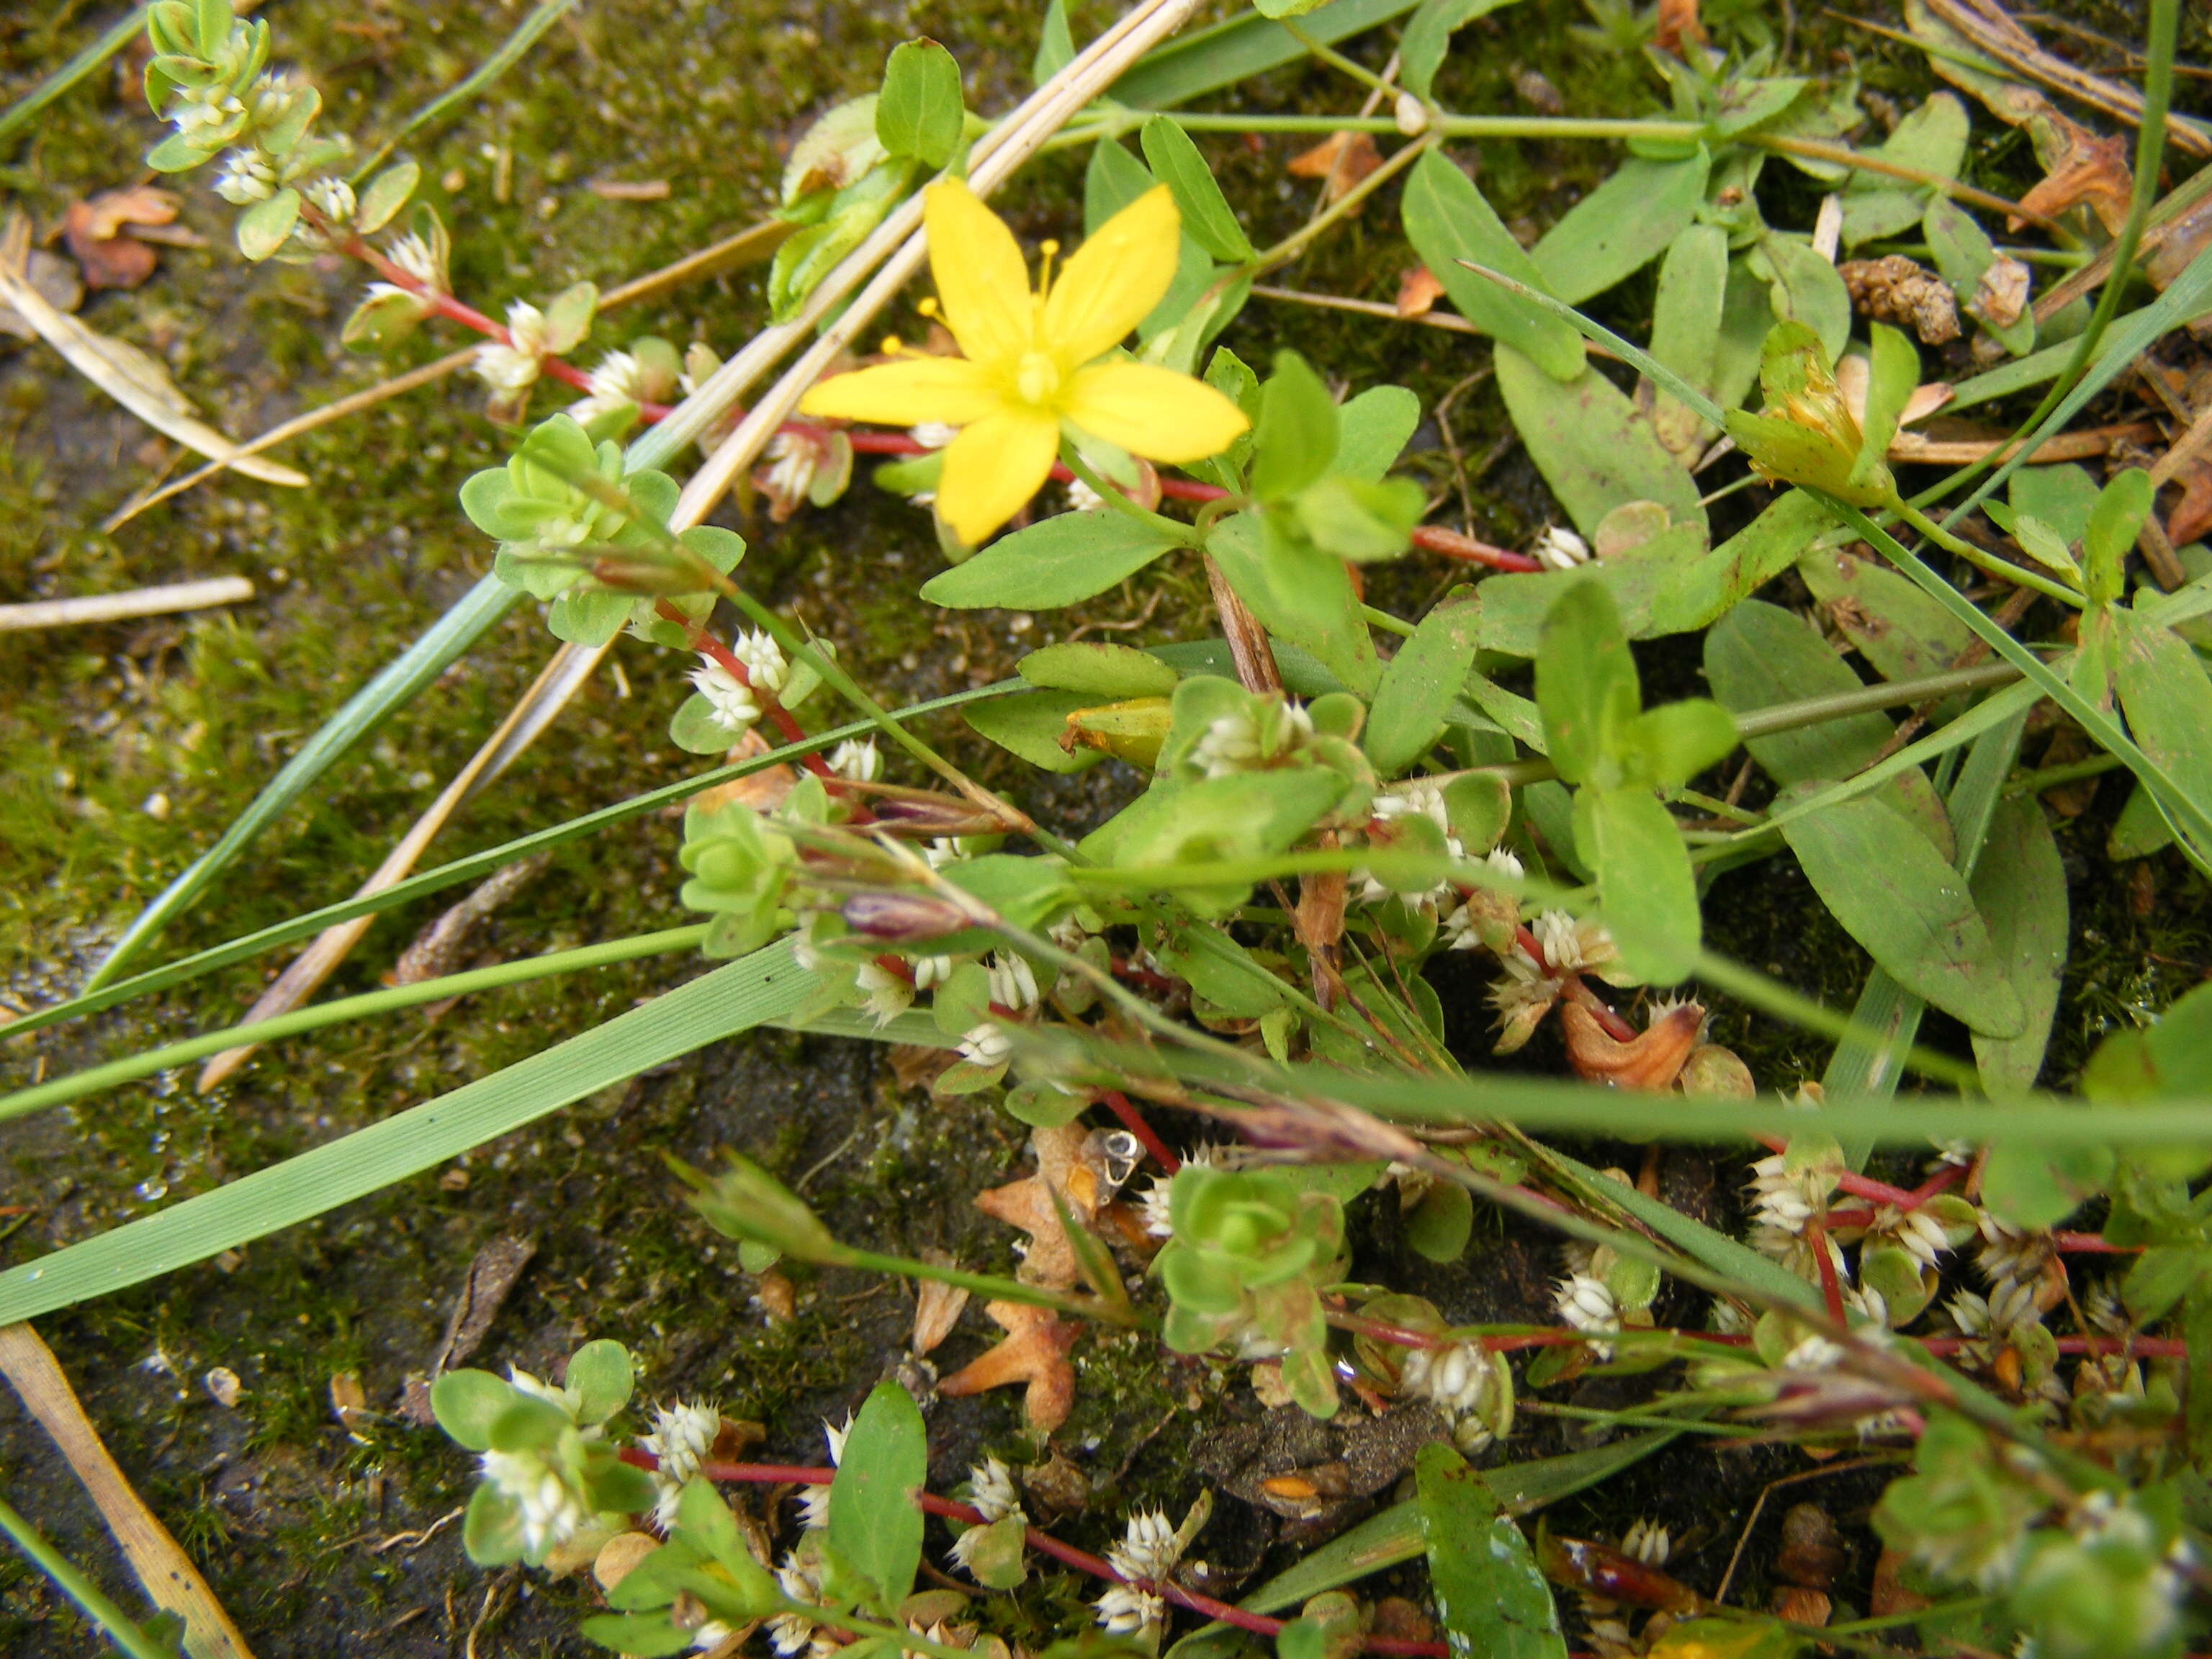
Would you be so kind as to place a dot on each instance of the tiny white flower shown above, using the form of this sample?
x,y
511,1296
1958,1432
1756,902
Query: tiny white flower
x,y
889,994
515,366
1422,795
1560,548
932,971
1082,498
412,255
1813,1354
730,705
681,1437
859,760
247,177
986,1045
549,1510
763,659
1649,1543
792,1632
943,850
932,435
1585,1303
1230,743
1124,1609
332,197
1014,984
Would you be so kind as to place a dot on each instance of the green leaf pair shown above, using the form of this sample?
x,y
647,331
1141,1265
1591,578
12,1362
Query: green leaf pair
x,y
1617,754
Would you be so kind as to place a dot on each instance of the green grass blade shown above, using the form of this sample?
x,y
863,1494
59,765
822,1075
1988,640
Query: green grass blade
x,y
395,685
95,1080
119,34
746,993
1235,50
460,870
71,1582
510,53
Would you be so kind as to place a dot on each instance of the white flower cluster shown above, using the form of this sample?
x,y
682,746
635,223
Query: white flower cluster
x,y
514,367
1460,928
550,1509
248,176
991,1489
2012,1256
1647,1541
1152,1204
730,704
857,760
1586,1303
1410,797
1560,548
1470,1386
1013,983
1144,1557
618,379
889,994
1232,742
986,1045
681,1437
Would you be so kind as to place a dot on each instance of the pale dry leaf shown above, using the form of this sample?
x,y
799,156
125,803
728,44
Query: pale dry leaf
x,y
2088,171
937,1307
53,279
2001,294
98,234
1342,161
1419,290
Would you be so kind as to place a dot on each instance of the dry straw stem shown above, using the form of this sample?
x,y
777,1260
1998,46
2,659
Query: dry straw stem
x,y
170,1579
994,158
87,353
572,664
162,601
747,246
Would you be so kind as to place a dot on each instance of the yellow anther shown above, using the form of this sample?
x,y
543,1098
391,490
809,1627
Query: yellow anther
x,y
927,305
892,345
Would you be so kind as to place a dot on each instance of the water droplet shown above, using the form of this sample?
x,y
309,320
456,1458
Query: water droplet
x,y
152,1189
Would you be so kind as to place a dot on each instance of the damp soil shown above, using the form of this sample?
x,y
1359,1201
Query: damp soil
x,y
127,749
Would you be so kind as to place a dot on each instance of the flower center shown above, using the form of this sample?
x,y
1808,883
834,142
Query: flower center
x,y
1036,378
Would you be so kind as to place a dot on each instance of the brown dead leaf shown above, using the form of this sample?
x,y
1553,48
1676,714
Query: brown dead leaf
x,y
936,1306
2088,171
1034,1352
915,1065
1419,290
1342,161
2192,515
1650,1060
98,232
762,791
1047,1259
2001,293
1676,25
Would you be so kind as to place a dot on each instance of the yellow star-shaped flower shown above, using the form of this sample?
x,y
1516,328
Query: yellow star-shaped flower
x,y
1032,363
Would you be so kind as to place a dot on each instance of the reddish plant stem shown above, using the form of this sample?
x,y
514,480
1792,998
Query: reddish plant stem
x,y
1433,538
782,718
1832,1291
1125,969
1043,1543
2090,1244
1133,1120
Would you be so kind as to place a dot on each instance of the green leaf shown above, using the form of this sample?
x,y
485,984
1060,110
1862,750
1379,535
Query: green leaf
x,y
2020,888
1900,898
1362,522
1205,60
1490,1593
1175,162
1902,631
2114,523
1375,426
263,227
1648,892
1055,44
1428,34
1298,595
2167,699
466,1403
1699,591
873,1522
1593,448
919,111
1447,221
1620,226
600,1373
1804,288
764,986
2062,497
1668,746
1586,684
1442,1222
1031,725
1686,331
385,195
1296,435
1099,670
1069,556
1417,687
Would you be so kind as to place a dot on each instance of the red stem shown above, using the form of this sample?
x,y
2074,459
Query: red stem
x,y
1044,1544
707,645
1133,1122
1832,1293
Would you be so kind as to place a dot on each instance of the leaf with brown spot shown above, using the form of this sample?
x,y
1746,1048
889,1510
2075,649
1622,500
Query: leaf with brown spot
x,y
98,232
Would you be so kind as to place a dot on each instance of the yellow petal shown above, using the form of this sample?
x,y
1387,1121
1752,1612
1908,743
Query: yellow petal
x,y
1153,413
992,468
906,393
982,286
1113,280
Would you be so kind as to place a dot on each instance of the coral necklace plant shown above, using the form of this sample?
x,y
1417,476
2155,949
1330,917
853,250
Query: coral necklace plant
x,y
1034,362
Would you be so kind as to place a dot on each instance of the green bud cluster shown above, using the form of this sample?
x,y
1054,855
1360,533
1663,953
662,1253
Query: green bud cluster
x,y
1250,1252
743,864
